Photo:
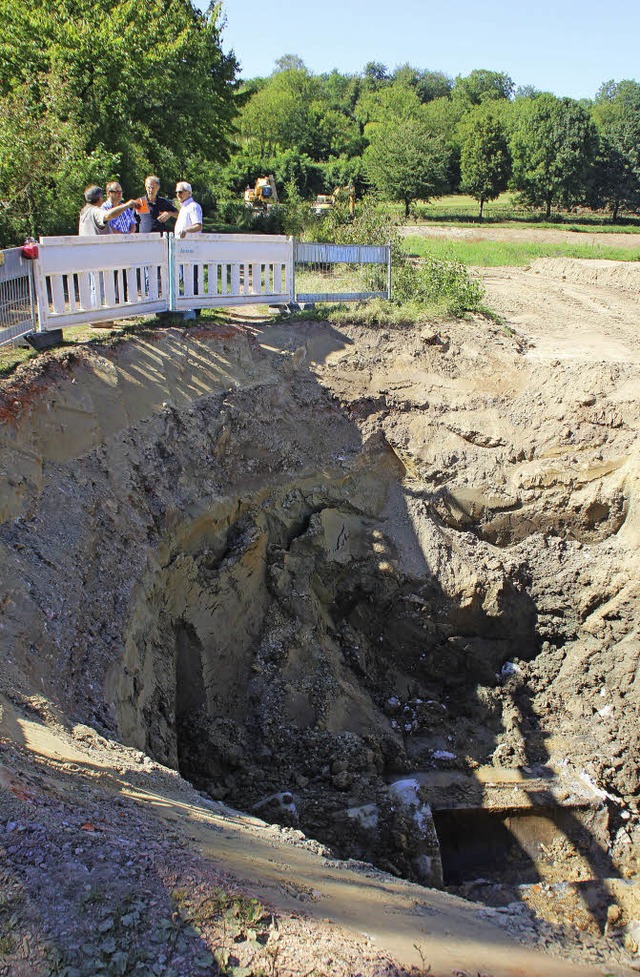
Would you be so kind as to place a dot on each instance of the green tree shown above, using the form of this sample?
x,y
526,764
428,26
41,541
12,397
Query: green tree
x,y
485,164
341,91
395,101
278,115
433,85
290,62
526,91
375,74
334,133
44,167
428,85
616,112
443,117
149,83
553,144
481,86
406,162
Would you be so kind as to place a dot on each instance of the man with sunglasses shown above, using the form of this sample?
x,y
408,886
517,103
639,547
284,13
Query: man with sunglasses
x,y
190,217
94,219
126,222
189,222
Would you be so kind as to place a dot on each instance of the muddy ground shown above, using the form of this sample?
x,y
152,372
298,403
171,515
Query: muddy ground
x,y
376,589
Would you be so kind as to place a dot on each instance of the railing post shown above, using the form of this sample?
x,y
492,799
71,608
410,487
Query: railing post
x,y
32,298
292,289
42,299
389,271
171,271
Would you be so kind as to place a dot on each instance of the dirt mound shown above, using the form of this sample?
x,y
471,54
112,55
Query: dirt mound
x,y
620,275
378,587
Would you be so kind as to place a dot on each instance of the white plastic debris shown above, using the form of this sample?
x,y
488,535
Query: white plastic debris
x,y
509,668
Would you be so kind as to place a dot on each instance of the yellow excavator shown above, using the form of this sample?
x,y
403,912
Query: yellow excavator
x,y
325,202
263,196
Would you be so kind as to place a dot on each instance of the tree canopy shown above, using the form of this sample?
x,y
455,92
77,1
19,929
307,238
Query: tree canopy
x,y
616,113
553,149
132,87
406,162
95,89
485,163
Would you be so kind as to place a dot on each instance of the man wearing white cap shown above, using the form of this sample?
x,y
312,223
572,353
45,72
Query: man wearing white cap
x,y
189,220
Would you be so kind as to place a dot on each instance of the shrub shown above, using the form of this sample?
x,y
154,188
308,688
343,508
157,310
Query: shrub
x,y
447,284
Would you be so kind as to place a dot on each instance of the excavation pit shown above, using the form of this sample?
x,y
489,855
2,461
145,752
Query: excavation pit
x,y
240,564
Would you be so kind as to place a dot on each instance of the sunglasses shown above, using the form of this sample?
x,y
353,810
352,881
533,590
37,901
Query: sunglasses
x,y
114,191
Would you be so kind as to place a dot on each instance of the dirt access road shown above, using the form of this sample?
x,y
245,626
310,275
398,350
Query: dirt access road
x,y
570,309
567,308
531,235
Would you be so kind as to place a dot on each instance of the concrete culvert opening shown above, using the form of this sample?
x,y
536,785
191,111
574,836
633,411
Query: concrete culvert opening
x,y
372,593
519,847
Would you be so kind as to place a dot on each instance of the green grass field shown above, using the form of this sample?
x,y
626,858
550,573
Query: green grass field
x,y
462,210
491,254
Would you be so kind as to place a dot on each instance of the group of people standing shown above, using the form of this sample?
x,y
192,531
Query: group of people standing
x,y
146,215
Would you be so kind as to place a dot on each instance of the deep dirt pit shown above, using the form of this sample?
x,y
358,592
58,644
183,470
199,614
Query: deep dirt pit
x,y
376,586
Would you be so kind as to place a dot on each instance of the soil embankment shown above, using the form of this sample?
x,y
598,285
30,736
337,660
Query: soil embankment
x,y
378,588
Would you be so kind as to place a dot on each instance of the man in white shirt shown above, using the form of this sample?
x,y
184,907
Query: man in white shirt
x,y
188,222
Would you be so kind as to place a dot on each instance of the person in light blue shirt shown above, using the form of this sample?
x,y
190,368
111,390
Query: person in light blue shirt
x,y
126,223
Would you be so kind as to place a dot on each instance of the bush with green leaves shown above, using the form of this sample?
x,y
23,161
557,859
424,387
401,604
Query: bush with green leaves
x,y
434,282
371,224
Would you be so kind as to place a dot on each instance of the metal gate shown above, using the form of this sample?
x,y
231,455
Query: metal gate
x,y
341,272
17,297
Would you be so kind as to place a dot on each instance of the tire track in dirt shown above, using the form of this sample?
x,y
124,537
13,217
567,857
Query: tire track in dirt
x,y
565,317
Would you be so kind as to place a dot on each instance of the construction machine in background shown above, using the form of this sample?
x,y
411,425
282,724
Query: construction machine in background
x,y
263,196
325,202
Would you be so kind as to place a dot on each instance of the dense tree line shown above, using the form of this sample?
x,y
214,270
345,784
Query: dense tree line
x,y
414,134
96,89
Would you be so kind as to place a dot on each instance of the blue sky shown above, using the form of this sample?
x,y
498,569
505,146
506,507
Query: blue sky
x,y
568,47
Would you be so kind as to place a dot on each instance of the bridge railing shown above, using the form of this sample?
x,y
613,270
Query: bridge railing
x,y
75,280
82,279
213,270
17,295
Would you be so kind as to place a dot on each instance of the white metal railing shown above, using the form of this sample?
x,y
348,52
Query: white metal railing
x,y
87,279
96,279
231,269
17,298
